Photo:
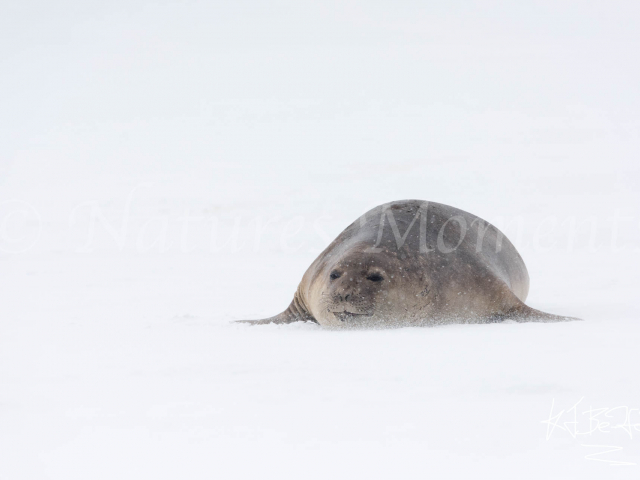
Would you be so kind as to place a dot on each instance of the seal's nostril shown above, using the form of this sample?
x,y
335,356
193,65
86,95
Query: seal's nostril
x,y
346,297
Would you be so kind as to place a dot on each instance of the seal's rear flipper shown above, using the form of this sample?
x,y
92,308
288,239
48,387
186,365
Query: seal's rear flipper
x,y
524,313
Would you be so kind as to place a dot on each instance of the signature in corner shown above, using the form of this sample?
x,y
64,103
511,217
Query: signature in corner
x,y
598,421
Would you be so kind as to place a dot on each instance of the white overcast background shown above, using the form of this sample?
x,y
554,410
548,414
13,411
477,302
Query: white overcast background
x,y
169,167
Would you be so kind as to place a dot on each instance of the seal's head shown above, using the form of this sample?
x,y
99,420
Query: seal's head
x,y
364,288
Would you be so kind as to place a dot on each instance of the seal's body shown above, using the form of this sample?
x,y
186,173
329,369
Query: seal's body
x,y
413,262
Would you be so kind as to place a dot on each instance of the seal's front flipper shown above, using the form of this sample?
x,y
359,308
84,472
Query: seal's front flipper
x,y
524,313
295,313
282,318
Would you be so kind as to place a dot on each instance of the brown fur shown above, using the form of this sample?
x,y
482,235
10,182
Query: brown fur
x,y
412,262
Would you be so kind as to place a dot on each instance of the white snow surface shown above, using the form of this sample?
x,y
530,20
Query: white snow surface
x,y
168,168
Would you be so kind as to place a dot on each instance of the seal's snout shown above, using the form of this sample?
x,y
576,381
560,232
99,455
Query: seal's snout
x,y
349,304
345,293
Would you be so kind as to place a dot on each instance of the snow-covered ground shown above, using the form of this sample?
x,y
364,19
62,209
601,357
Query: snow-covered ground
x,y
167,169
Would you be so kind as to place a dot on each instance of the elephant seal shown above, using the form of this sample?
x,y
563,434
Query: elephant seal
x,y
412,262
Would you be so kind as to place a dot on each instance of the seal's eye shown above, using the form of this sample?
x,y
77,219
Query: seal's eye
x,y
375,277
335,274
